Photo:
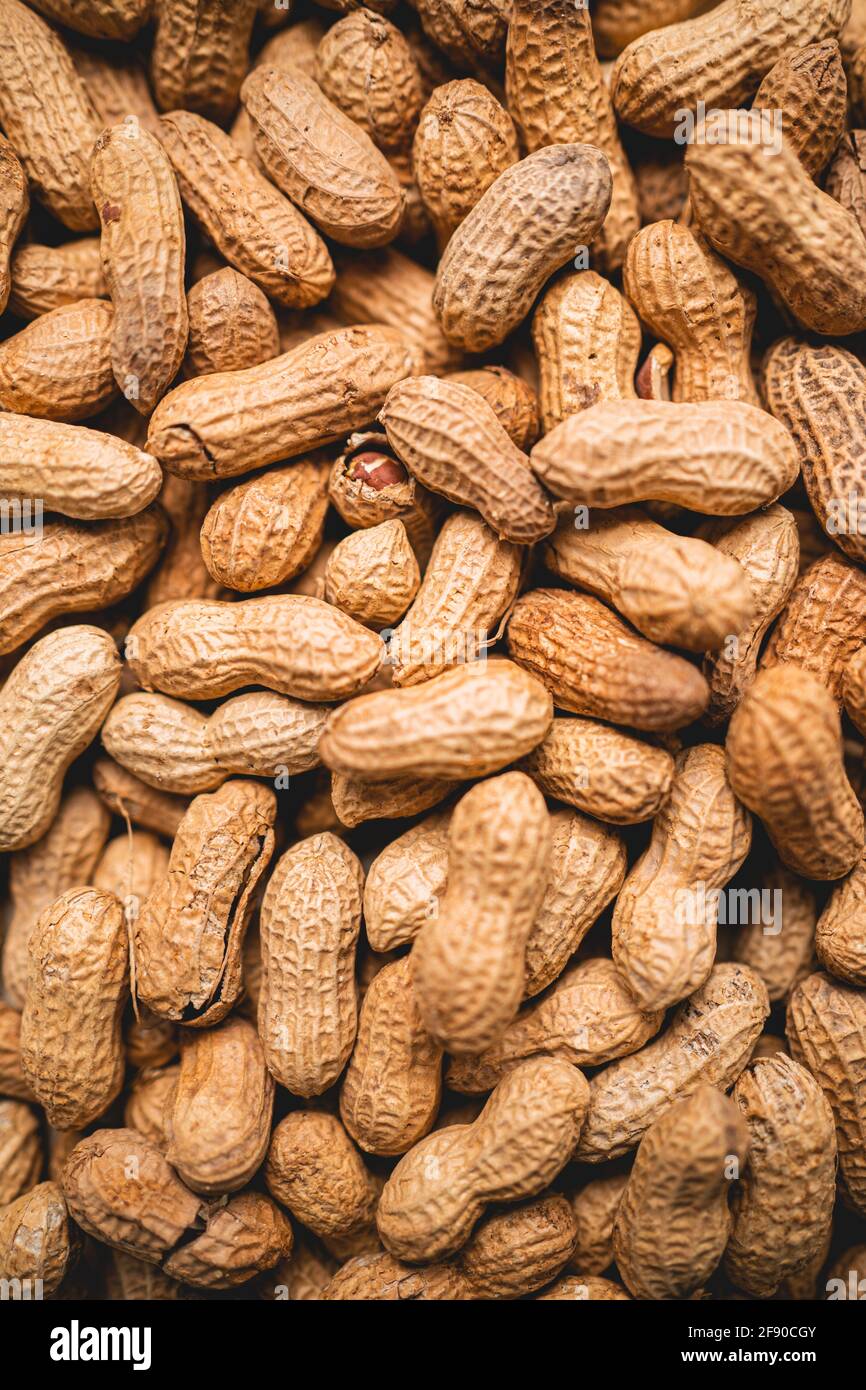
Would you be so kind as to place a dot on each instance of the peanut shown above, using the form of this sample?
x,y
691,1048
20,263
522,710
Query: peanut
x,y
13,1082
200,54
231,325
373,575
20,1150
594,1208
314,1169
600,770
151,1093
266,530
366,67
14,206
355,800
101,19
59,366
514,401
808,88
781,950
181,572
587,341
49,277
74,470
405,882
839,931
125,795
387,287
36,1239
369,485
823,623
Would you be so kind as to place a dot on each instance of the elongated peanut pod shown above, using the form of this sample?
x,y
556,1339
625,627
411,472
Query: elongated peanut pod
x,y
587,340
79,472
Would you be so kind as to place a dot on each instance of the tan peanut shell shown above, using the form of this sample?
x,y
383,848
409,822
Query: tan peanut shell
x,y
369,485
469,36
219,1118
264,531
839,935
783,1207
355,800
309,924
438,1190
777,940
468,961
189,933
392,1087
49,277
451,441
718,58
819,394
14,206
78,983
708,1042
221,425
594,665
693,301
101,19
51,707
115,79
516,1251
65,857
588,1018
13,1082
514,401
469,584
143,250
231,325
258,231
784,737
181,572
200,54
846,176
387,287
673,1221
150,1041
717,457
468,722
405,881
557,95
525,227
463,142
321,159
674,589
128,797
314,1169
151,1092
242,1238
36,1239
808,90
47,115
586,340
823,623
617,23
294,645
600,770
74,568
664,922
366,67
594,1208
20,1150
826,1030
766,545
74,470
59,366
801,242
373,574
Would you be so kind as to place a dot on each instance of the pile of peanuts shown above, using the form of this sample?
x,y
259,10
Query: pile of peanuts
x,y
433,649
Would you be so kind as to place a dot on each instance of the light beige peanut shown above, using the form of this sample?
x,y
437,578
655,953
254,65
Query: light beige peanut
x,y
467,722
127,796
258,231
690,299
48,277
387,287
469,584
314,1169
767,547
463,142
355,800
674,589
594,1208
783,1208
588,1018
664,922
839,937
594,665
405,881
231,325
373,575
47,115
778,941
231,422
366,67
59,366
321,159
550,202
513,399
189,933
76,471
37,1241
14,206
673,1221
392,1087
600,770
218,1121
200,54
309,924
826,1031
143,248
293,645
74,567
151,1092
451,441
77,985
369,485
720,457
264,531
438,1190
181,572
785,736
823,623
65,857
20,1150
51,707
587,341
468,962
708,1042
557,95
